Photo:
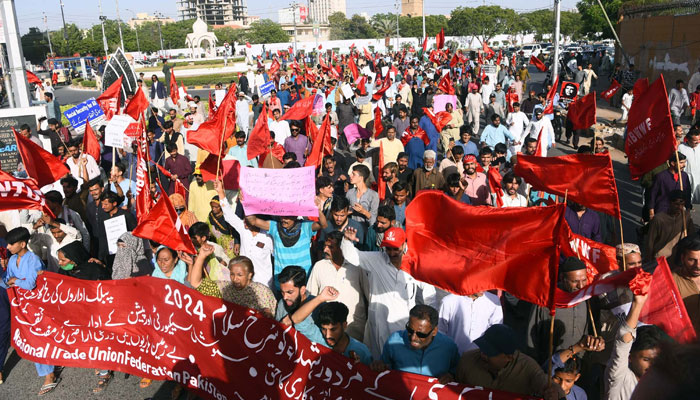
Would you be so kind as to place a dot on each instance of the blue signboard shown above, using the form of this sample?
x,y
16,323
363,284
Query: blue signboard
x,y
266,88
78,115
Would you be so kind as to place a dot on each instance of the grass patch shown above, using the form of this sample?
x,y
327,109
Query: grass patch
x,y
193,65
203,79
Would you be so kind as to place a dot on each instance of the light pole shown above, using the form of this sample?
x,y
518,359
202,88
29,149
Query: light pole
x,y
398,5
160,33
557,20
65,32
136,29
119,25
294,21
48,36
422,11
102,23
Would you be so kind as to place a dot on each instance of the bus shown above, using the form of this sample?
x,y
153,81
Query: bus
x,y
72,67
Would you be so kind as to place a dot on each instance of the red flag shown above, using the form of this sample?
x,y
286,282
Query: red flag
x,y
274,67
610,91
109,99
440,39
489,52
407,135
665,308
300,110
247,44
21,194
641,86
537,63
500,57
174,93
539,151
212,134
445,84
229,171
320,46
598,257
187,95
162,225
467,250
439,120
320,146
454,61
178,186
381,184
513,60
650,139
380,92
91,145
368,56
425,44
494,180
378,126
361,83
137,105
549,102
587,179
32,78
290,50
598,287
259,138
353,68
144,199
40,165
582,111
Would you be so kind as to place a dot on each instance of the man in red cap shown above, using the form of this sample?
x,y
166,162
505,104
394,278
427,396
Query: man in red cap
x,y
477,186
392,291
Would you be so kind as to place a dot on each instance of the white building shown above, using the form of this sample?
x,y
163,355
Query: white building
x,y
214,12
289,14
319,10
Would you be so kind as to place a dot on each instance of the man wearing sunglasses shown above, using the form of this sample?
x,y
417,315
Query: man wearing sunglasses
x,y
420,348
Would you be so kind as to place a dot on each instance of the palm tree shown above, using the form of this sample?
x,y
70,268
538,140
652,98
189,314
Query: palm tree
x,y
385,26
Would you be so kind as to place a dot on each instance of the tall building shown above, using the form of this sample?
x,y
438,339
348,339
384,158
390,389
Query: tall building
x,y
289,14
214,12
414,8
142,18
319,10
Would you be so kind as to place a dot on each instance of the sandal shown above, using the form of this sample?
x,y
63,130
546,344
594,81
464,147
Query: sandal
x,y
49,387
145,382
102,382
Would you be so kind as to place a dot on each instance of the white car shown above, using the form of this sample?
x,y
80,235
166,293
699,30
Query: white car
x,y
531,50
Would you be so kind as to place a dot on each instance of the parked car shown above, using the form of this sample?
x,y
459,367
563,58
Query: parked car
x,y
531,50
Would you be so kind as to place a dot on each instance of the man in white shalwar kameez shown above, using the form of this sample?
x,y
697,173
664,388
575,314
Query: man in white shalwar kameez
x,y
691,151
516,122
540,123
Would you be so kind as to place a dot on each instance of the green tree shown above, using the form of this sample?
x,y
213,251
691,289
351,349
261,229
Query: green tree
x,y
359,28
266,31
413,26
571,24
35,45
483,22
229,35
384,25
339,25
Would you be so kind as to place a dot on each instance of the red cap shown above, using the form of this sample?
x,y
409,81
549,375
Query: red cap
x,y
469,158
393,237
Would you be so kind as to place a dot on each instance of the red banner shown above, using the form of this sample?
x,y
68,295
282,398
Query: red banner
x,y
598,257
610,91
159,329
20,194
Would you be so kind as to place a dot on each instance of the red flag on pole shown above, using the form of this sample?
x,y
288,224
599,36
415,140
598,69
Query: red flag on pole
x,y
91,145
322,142
445,84
229,171
177,186
489,52
300,110
32,78
380,92
144,199
540,150
469,251
162,225
381,183
494,181
40,165
641,86
21,194
259,138
537,63
174,93
598,257
440,39
582,112
425,44
212,134
611,90
439,120
587,179
368,56
110,99
650,140
500,57
353,68
378,126
274,67
454,60
137,105
549,102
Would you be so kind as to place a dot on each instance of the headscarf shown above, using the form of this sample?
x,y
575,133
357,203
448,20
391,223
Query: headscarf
x,y
179,273
130,260
187,217
219,223
80,266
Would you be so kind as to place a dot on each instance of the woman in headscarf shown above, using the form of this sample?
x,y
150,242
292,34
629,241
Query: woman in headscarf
x,y
225,235
186,216
130,259
243,291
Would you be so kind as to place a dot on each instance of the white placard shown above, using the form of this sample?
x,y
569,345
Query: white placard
x,y
114,227
346,90
385,69
220,94
114,131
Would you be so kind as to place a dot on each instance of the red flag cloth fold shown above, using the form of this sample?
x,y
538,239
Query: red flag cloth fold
x,y
162,225
110,99
353,68
598,257
454,61
137,105
549,101
641,86
494,180
381,184
537,63
184,90
361,83
274,67
611,90
582,112
439,120
425,44
407,135
539,150
440,39
174,92
445,84
300,110
500,57
259,138
380,92
212,134
40,165
489,52
650,140
378,126
144,199
178,186
91,145
665,308
467,250
229,171
596,288
32,78
587,179
21,194
322,142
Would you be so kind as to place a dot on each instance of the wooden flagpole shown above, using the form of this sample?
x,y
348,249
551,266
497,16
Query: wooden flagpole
x,y
221,146
551,347
622,244
680,181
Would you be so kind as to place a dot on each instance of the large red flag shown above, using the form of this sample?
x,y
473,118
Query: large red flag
x,y
381,183
540,150
537,63
650,140
489,52
300,110
212,134
385,86
549,101
368,56
110,99
445,84
274,67
40,165
665,308
32,78
137,105
174,92
611,90
259,138
320,146
582,112
425,45
162,225
494,181
641,86
91,145
229,171
144,199
598,257
439,120
378,126
468,251
21,194
440,39
353,68
587,179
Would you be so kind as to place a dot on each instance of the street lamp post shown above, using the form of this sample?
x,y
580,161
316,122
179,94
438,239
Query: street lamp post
x,y
160,33
119,25
48,35
102,23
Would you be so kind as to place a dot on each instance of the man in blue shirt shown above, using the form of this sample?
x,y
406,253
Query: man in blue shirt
x,y
332,318
420,348
465,134
297,307
22,270
496,133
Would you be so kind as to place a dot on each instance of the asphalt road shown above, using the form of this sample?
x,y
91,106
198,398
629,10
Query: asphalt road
x,y
22,382
69,95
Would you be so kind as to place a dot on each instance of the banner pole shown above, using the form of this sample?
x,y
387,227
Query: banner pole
x,y
590,314
221,147
680,181
551,347
622,244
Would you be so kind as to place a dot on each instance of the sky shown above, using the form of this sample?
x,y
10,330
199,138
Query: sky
x,y
85,13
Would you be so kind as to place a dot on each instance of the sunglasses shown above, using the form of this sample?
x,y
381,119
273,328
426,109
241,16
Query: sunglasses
x,y
420,335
